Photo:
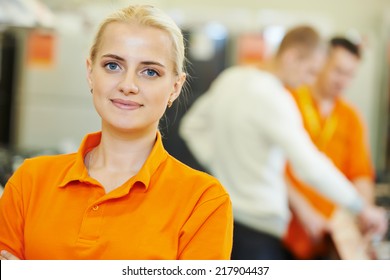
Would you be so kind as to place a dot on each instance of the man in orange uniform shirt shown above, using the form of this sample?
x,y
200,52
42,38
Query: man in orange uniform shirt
x,y
337,130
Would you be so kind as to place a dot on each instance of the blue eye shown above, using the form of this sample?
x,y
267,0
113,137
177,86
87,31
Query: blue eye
x,y
112,66
151,73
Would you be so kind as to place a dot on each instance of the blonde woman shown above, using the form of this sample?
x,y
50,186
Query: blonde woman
x,y
121,196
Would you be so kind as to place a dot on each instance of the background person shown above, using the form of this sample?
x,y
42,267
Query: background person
x,y
337,130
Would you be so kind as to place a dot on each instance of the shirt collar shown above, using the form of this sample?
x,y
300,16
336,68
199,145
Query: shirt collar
x,y
79,172
157,156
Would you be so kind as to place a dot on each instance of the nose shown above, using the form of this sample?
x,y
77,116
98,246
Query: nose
x,y
128,85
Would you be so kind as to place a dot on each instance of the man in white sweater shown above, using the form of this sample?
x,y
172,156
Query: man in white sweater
x,y
243,130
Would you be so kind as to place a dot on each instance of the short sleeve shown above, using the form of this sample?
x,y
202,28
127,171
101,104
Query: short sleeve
x,y
208,232
12,217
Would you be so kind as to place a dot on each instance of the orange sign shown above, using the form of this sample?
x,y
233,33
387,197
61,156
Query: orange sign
x,y
40,49
251,48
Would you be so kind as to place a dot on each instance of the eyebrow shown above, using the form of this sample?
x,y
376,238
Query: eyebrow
x,y
114,56
153,63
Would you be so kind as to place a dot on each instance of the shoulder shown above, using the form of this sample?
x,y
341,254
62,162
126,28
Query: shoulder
x,y
44,166
49,161
191,180
247,76
349,111
187,173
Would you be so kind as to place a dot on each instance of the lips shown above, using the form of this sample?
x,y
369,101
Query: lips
x,y
126,104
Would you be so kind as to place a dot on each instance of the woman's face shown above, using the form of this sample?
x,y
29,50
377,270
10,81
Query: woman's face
x,y
133,77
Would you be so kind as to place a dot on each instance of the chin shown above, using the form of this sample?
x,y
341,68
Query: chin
x,y
122,126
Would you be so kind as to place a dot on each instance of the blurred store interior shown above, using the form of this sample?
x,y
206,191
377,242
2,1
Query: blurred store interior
x,y
45,104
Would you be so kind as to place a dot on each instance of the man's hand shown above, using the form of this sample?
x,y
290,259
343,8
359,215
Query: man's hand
x,y
4,255
373,221
314,224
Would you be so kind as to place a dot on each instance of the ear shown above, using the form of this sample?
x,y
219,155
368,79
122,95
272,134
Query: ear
x,y
89,72
177,87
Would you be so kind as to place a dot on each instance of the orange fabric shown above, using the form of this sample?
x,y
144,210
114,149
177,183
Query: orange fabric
x,y
342,138
52,209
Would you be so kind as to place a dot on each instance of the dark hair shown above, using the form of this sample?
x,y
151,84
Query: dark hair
x,y
342,42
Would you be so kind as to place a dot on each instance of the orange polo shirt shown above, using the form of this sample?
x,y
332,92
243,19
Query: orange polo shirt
x,y
341,136
52,209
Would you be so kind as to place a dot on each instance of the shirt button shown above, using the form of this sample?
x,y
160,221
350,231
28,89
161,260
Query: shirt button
x,y
95,208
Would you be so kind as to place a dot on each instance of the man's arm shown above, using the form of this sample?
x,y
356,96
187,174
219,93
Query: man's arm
x,y
365,186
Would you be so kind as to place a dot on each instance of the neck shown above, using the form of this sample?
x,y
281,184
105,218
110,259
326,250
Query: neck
x,y
272,67
123,152
323,101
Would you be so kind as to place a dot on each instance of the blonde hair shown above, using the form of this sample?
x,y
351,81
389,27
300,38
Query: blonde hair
x,y
146,15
